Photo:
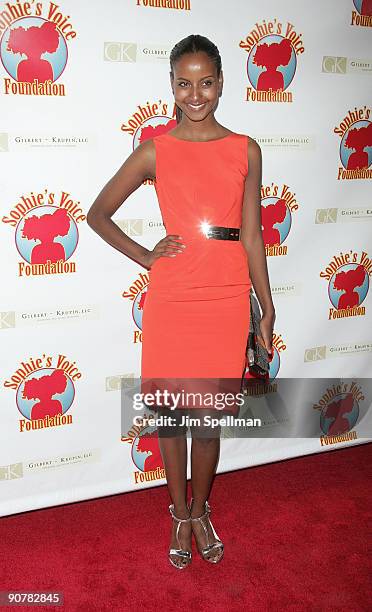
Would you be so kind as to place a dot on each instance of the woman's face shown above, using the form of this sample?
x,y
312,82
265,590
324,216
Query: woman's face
x,y
195,85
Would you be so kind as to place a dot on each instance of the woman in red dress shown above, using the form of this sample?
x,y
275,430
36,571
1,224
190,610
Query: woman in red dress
x,y
196,312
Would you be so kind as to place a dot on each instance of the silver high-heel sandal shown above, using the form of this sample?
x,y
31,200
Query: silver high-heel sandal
x,y
184,555
214,546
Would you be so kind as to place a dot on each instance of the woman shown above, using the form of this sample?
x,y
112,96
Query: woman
x,y
196,312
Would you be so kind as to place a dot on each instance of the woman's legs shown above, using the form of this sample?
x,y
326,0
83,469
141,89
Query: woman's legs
x,y
205,450
173,449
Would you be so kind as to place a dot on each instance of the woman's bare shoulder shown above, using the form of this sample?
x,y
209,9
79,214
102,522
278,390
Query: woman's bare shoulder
x,y
147,147
254,149
254,146
145,155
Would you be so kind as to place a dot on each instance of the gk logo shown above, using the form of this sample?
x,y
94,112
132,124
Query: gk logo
x,y
334,64
7,319
119,52
132,227
315,354
9,472
326,215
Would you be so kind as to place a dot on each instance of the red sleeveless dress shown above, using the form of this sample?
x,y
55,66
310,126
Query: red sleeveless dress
x,y
195,316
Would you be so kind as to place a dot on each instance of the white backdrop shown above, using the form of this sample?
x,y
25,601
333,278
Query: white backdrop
x,y
74,103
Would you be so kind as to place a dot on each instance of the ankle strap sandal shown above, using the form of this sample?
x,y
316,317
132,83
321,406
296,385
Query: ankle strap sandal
x,y
211,546
184,555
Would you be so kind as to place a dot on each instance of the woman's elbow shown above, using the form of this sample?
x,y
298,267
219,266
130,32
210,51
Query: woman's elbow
x,y
251,239
93,217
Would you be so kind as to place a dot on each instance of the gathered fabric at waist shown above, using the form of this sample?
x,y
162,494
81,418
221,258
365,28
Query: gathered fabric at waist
x,y
205,267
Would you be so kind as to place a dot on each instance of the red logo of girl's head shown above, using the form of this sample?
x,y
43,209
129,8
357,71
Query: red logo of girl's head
x,y
34,50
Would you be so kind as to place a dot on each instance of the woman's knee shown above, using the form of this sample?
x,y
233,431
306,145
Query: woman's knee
x,y
172,424
203,425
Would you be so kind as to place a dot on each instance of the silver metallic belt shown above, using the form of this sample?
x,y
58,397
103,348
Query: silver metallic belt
x,y
219,232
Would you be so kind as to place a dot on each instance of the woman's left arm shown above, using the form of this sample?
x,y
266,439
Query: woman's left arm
x,y
252,239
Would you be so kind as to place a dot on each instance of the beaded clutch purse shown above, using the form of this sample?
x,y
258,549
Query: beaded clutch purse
x,y
256,353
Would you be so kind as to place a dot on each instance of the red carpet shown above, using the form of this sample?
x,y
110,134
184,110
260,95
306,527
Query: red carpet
x,y
295,533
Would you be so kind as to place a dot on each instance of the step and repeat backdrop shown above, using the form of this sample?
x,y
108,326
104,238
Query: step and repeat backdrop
x,y
80,84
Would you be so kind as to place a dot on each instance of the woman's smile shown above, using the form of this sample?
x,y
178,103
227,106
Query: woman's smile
x,y
195,107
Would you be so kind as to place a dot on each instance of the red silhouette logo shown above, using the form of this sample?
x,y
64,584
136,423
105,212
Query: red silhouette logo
x,y
33,42
358,139
347,281
43,389
270,215
271,57
148,443
340,415
46,228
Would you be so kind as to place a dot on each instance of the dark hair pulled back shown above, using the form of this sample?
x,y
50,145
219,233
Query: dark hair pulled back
x,y
192,44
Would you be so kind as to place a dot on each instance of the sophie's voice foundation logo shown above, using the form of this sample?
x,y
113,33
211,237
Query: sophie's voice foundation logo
x,y
355,131
273,48
33,48
339,411
348,284
44,394
46,232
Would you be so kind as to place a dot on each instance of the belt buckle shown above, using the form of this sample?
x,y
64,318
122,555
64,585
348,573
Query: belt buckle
x,y
219,232
214,232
